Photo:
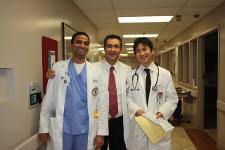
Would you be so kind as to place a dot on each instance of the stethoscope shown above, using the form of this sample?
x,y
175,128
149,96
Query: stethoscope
x,y
135,75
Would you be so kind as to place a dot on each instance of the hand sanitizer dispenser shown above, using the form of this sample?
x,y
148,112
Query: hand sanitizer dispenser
x,y
34,94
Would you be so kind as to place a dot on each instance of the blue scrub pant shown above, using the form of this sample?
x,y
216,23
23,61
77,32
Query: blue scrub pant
x,y
75,142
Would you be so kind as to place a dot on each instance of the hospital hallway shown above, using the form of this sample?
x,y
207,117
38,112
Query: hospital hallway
x,y
188,41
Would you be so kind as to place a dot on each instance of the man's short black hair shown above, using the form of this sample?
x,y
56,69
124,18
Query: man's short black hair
x,y
77,34
112,36
142,40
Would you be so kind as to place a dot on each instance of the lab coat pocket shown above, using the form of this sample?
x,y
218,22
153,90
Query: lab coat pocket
x,y
136,96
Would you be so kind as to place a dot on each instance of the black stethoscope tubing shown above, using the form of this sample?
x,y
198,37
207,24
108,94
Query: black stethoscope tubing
x,y
154,88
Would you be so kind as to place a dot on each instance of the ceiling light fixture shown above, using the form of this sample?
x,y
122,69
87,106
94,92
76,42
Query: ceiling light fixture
x,y
68,37
130,52
129,49
129,44
101,49
139,35
144,19
123,55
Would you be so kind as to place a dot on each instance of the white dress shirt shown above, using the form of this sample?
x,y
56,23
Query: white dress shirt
x,y
144,74
105,70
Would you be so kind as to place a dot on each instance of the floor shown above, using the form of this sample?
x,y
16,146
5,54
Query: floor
x,y
181,140
186,138
201,139
212,133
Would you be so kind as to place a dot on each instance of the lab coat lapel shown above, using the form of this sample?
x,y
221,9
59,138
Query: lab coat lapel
x,y
122,75
64,71
141,87
152,102
89,82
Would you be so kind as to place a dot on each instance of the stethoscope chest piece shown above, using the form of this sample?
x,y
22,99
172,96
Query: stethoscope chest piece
x,y
154,88
135,86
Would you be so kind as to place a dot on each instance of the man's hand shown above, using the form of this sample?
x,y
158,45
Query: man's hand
x,y
50,74
139,112
44,137
159,115
99,141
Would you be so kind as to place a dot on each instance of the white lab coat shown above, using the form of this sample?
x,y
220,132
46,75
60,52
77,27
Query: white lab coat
x,y
137,100
51,117
122,74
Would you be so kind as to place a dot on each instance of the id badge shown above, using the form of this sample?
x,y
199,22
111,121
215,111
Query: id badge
x,y
160,93
66,80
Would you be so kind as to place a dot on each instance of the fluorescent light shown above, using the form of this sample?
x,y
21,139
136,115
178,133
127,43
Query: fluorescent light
x,y
129,49
144,19
68,37
123,55
130,52
139,35
129,43
101,49
99,45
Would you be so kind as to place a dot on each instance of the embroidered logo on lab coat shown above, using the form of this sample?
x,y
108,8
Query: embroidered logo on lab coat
x,y
94,91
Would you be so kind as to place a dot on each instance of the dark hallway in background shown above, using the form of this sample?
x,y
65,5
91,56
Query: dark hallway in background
x,y
210,80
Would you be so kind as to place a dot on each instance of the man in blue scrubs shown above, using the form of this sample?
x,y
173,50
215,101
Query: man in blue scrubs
x,y
73,114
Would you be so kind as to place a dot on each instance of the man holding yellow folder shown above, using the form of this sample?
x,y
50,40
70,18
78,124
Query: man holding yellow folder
x,y
150,91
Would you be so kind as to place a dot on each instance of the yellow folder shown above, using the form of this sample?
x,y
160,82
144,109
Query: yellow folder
x,y
153,131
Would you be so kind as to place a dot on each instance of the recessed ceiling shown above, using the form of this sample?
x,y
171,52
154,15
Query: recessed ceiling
x,y
104,14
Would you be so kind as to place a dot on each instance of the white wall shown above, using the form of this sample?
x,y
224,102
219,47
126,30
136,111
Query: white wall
x,y
212,20
22,25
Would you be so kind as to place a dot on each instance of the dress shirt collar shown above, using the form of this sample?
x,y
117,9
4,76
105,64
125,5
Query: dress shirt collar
x,y
107,65
152,67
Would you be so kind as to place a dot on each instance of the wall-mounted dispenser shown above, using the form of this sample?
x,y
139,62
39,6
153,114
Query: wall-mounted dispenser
x,y
34,94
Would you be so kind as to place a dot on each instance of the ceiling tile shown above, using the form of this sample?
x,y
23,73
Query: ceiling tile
x,y
146,12
100,13
195,10
93,5
104,13
142,28
134,4
104,20
204,2
107,25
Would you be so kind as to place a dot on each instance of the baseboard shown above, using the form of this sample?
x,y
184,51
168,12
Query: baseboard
x,y
30,144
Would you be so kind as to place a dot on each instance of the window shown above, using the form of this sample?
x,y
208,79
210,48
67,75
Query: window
x,y
193,63
187,63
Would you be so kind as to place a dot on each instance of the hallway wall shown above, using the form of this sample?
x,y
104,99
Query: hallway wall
x,y
212,20
23,23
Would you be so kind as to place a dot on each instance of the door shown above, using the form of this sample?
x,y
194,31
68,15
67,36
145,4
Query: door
x,y
210,79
